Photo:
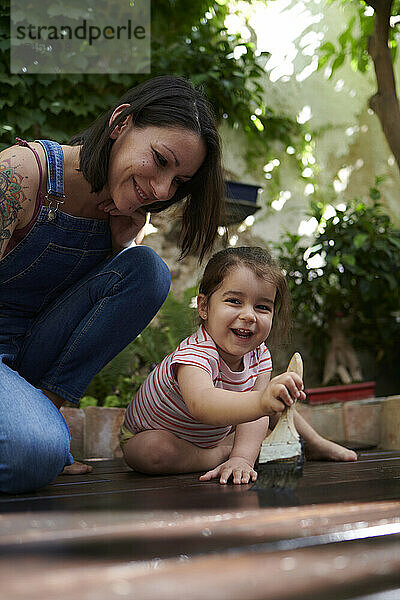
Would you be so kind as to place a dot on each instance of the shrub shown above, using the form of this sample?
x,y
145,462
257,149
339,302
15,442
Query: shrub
x,y
120,379
348,276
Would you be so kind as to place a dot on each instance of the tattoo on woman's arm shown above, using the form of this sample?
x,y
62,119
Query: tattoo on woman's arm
x,y
12,197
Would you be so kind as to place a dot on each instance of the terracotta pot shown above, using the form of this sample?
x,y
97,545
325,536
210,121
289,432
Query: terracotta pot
x,y
94,431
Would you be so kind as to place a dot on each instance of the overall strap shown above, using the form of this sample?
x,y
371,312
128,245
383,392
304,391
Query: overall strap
x,y
21,142
55,174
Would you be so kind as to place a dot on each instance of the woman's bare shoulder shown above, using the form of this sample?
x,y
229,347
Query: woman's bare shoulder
x,y
20,164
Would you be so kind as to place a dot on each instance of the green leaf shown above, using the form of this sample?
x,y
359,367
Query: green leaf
x,y
328,48
112,401
359,240
339,60
343,39
88,401
394,240
335,261
374,193
393,283
323,60
349,259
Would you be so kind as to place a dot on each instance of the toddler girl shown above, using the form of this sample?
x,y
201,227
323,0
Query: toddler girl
x,y
207,405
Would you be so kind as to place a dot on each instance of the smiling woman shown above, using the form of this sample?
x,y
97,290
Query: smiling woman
x,y
149,165
159,116
73,293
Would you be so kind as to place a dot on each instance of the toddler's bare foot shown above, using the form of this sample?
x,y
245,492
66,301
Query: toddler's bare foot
x,y
323,449
77,468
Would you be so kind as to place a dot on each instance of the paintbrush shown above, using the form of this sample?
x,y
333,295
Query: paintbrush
x,y
281,458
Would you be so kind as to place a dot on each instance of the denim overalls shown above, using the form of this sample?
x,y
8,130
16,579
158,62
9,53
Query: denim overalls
x,y
66,309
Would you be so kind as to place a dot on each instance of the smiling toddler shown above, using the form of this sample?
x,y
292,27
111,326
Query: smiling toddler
x,y
208,405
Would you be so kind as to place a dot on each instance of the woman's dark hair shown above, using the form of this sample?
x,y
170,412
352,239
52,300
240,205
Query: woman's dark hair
x,y
166,102
263,265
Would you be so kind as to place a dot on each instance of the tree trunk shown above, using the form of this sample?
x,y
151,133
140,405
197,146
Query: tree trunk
x,y
385,102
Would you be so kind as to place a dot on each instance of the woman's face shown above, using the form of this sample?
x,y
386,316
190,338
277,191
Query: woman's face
x,y
149,164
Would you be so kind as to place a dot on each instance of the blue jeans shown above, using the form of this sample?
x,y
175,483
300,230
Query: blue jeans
x,y
66,309
64,348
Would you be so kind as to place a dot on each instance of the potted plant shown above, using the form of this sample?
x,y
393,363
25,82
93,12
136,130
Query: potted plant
x,y
345,288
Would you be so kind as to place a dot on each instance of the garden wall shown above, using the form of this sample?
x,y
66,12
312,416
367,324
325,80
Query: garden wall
x,y
370,422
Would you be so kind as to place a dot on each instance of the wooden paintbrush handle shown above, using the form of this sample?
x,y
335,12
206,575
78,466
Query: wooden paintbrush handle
x,y
284,436
296,366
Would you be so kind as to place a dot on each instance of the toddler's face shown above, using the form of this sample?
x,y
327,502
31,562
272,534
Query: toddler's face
x,y
238,315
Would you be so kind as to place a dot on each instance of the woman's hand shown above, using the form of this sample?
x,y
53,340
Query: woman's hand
x,y
124,228
237,467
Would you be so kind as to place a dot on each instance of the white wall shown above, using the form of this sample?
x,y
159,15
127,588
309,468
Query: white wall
x,y
347,137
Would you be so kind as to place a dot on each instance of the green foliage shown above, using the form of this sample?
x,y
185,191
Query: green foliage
x,y
358,277
233,85
353,41
175,321
88,401
118,381
184,42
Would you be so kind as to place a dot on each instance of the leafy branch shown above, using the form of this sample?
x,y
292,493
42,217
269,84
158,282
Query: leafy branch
x,y
371,36
185,42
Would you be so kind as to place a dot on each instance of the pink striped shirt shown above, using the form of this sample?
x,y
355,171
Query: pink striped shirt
x,y
158,404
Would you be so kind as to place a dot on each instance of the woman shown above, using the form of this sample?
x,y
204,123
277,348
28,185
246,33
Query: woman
x,y
73,293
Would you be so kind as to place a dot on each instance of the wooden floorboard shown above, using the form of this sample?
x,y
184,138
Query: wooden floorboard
x,y
114,532
114,486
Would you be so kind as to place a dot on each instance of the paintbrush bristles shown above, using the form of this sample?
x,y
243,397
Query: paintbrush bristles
x,y
282,474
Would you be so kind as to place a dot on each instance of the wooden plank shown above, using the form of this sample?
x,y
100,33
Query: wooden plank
x,y
333,572
113,485
163,533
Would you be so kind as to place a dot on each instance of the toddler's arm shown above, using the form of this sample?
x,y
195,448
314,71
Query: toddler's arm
x,y
249,436
248,439
215,406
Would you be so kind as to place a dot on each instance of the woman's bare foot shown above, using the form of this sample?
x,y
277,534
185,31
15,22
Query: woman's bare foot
x,y
77,468
322,449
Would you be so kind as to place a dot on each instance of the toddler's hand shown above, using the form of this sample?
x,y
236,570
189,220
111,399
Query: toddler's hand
x,y
282,391
237,467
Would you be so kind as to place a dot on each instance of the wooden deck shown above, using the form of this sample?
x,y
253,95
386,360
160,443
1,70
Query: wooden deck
x,y
115,533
